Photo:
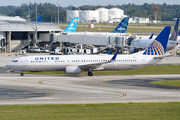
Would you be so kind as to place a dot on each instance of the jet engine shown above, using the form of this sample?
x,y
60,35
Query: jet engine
x,y
73,70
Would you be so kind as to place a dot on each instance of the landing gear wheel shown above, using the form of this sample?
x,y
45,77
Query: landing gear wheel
x,y
21,74
90,74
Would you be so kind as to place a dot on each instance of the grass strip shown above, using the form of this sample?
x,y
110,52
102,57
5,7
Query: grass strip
x,y
109,29
158,69
167,82
108,111
115,24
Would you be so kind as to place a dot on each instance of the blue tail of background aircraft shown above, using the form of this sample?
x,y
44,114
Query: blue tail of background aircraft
x,y
71,28
158,46
39,18
122,27
151,36
175,31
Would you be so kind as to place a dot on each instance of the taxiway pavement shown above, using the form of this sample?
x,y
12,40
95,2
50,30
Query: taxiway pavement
x,y
83,89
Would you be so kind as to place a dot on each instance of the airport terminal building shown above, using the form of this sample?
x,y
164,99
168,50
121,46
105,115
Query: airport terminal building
x,y
17,33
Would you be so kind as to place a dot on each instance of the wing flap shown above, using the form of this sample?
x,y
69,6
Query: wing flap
x,y
99,65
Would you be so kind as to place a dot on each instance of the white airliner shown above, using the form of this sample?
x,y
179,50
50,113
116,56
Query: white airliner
x,y
144,43
75,64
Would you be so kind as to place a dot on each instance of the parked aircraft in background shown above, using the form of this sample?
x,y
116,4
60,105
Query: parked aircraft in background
x,y
39,18
122,26
151,36
75,64
144,43
71,28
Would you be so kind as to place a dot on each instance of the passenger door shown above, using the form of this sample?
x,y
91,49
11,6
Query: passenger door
x,y
26,63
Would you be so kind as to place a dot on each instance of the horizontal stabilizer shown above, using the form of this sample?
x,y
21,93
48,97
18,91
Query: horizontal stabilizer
x,y
164,56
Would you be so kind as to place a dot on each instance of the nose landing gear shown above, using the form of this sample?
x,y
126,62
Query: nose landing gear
x,y
21,74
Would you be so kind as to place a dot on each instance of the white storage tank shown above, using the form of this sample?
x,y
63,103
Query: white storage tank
x,y
103,14
71,14
88,16
115,13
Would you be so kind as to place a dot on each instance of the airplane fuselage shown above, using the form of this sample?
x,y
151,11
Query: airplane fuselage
x,y
142,43
59,63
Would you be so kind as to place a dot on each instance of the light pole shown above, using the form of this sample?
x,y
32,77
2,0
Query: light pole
x,y
58,12
36,24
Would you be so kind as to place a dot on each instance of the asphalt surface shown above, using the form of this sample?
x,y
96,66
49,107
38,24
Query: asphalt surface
x,y
144,83
49,89
6,94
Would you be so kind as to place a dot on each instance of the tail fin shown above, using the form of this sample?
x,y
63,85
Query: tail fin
x,y
151,36
158,46
179,32
39,18
175,31
71,28
122,27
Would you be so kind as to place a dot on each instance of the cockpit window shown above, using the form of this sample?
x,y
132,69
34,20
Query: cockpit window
x,y
15,61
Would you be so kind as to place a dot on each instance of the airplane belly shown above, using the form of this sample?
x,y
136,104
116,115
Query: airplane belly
x,y
122,67
46,68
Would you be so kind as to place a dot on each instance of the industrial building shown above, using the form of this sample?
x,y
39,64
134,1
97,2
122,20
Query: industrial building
x,y
98,15
17,33
101,15
139,20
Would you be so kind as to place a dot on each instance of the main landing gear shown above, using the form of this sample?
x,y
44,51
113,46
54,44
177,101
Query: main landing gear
x,y
90,73
21,74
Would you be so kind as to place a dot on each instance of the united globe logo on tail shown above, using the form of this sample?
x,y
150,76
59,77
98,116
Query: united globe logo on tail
x,y
155,48
158,46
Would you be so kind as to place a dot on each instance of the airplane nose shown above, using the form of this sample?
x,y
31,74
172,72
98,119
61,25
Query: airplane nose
x,y
8,65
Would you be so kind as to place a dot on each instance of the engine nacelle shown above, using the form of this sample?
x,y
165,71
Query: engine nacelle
x,y
73,70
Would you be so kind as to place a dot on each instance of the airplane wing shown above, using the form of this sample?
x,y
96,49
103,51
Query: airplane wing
x,y
164,56
97,65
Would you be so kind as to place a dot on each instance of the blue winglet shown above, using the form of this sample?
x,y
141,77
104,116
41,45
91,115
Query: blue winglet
x,y
71,28
109,52
175,31
114,57
151,36
122,27
158,46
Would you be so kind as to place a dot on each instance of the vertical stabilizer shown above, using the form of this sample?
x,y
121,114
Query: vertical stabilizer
x,y
175,31
122,27
71,28
158,46
39,18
